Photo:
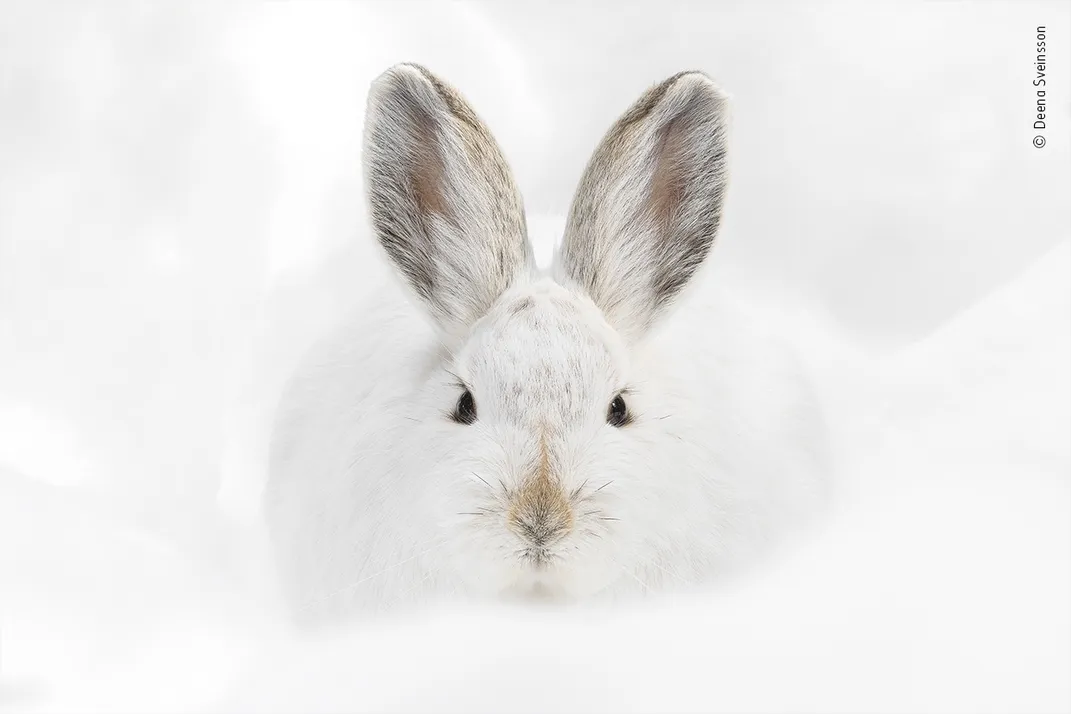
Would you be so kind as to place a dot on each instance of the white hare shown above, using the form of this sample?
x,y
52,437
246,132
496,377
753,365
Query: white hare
x,y
483,428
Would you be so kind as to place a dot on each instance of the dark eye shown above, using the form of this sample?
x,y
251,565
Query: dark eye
x,y
465,411
617,415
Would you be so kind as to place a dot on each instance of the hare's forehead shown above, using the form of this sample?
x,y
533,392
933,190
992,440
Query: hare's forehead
x,y
539,339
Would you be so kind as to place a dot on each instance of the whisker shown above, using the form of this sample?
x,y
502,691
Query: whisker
x,y
596,513
578,489
603,486
482,479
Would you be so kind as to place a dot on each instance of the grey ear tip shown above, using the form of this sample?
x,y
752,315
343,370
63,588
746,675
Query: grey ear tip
x,y
696,81
404,84
409,79
411,69
400,75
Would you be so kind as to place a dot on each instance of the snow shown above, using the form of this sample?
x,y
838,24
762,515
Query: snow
x,y
180,216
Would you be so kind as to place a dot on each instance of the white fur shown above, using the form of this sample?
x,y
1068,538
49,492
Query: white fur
x,y
376,497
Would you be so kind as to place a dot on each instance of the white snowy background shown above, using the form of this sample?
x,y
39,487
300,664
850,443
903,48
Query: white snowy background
x,y
180,214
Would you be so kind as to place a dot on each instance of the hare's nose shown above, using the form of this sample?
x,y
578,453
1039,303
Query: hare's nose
x,y
541,513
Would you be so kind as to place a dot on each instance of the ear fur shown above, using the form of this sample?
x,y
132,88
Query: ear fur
x,y
442,198
649,203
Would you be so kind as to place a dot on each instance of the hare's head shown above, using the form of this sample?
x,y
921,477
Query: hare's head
x,y
548,464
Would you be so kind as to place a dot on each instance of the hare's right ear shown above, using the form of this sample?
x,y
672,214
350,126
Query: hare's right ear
x,y
442,198
649,203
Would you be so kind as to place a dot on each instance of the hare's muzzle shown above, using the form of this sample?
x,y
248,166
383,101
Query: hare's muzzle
x,y
540,514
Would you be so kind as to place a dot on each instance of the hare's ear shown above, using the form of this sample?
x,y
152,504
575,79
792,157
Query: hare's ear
x,y
649,203
442,199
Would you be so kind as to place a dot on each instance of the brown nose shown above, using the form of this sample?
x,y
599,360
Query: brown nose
x,y
540,512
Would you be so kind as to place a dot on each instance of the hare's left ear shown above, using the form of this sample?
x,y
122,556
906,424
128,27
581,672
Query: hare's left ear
x,y
649,203
442,198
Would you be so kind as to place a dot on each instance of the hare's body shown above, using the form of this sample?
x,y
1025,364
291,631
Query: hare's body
x,y
341,427
564,432
358,517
